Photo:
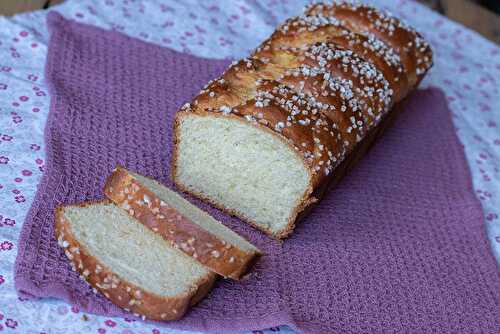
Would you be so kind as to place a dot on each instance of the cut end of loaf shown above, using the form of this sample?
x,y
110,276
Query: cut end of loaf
x,y
241,168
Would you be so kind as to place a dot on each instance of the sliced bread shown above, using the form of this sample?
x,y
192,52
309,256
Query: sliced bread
x,y
266,139
183,225
128,263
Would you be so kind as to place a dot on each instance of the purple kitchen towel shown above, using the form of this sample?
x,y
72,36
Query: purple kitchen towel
x,y
398,247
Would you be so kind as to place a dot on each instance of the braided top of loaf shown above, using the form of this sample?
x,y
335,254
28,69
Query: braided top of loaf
x,y
414,51
322,80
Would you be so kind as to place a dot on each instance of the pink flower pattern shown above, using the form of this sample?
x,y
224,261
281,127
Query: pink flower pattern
x,y
11,323
110,323
467,69
8,222
6,246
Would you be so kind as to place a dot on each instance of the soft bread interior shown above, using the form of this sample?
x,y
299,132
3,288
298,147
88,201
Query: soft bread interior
x,y
241,167
132,251
194,214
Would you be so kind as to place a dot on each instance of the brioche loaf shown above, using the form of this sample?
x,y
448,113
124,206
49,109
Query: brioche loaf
x,y
128,263
263,140
181,224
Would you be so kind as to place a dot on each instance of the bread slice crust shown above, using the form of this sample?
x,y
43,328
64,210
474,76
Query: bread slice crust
x,y
124,294
179,231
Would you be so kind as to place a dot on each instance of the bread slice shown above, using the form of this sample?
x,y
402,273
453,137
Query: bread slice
x,y
128,263
182,224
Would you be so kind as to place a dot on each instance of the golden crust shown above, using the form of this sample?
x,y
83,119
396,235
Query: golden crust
x,y
304,31
415,52
122,293
182,234
355,92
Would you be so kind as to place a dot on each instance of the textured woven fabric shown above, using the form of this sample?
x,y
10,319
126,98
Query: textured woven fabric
x,y
398,246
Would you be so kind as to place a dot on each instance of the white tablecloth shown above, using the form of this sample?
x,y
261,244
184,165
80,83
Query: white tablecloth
x,y
467,69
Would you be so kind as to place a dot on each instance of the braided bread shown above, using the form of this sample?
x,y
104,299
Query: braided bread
x,y
265,139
